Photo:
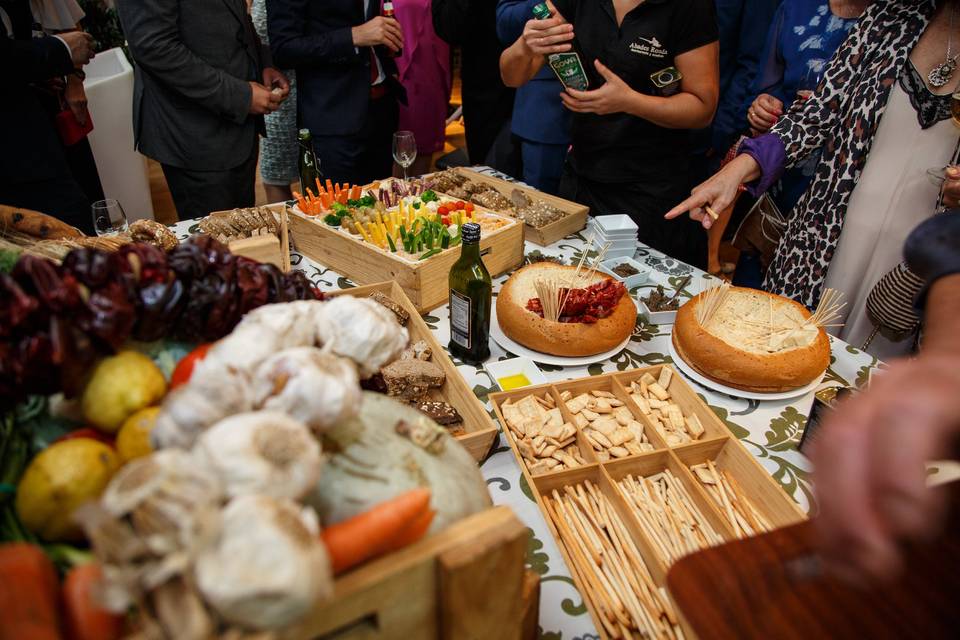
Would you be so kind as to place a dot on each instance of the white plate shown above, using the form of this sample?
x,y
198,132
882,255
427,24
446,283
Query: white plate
x,y
688,371
516,348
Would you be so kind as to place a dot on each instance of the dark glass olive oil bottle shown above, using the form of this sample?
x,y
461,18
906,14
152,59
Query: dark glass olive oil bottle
x,y
471,298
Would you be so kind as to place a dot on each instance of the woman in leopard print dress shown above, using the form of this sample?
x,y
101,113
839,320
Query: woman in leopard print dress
x,y
897,43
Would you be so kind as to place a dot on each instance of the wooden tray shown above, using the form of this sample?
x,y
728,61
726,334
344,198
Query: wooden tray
x,y
773,586
717,444
426,283
266,248
574,220
480,430
467,581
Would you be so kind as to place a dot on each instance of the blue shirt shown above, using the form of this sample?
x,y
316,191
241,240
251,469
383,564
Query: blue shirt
x,y
743,26
538,112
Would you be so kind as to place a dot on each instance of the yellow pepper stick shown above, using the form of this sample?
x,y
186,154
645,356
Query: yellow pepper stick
x,y
363,232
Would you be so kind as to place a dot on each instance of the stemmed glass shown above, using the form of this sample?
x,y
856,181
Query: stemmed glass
x,y
108,217
810,82
404,150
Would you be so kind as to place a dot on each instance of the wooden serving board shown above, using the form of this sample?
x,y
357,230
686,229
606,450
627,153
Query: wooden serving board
x,y
266,248
574,220
480,431
717,444
773,586
467,581
425,282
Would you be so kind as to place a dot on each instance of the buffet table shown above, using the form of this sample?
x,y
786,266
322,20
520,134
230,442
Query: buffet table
x,y
770,430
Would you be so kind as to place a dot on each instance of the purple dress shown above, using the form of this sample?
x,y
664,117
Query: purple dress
x,y
425,73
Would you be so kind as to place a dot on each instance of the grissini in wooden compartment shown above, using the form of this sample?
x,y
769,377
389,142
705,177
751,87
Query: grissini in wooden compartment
x,y
752,340
572,336
729,476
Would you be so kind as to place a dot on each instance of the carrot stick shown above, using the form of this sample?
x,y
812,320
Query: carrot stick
x,y
319,186
85,618
28,594
329,186
326,199
355,193
301,202
413,531
371,533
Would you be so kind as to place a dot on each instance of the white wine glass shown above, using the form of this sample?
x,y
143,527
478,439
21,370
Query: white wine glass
x,y
404,150
109,218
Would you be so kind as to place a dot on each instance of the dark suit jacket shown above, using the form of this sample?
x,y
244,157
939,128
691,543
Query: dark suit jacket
x,y
333,77
487,102
538,112
191,99
31,149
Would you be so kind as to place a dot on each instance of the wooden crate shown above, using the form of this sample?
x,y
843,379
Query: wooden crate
x,y
717,444
467,581
425,282
480,431
267,248
574,220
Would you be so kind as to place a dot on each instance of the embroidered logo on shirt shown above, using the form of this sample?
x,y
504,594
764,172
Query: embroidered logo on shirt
x,y
648,47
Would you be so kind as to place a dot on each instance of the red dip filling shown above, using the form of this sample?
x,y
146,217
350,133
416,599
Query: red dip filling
x,y
586,305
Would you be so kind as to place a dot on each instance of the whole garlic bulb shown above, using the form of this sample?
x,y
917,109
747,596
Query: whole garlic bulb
x,y
362,330
265,452
214,392
164,494
316,388
266,567
265,331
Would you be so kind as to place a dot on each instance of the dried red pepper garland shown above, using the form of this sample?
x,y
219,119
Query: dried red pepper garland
x,y
58,319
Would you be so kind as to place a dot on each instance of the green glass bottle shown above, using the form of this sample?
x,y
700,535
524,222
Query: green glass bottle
x,y
567,66
309,165
471,298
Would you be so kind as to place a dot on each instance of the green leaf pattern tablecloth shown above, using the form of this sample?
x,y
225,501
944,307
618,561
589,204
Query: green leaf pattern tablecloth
x,y
769,430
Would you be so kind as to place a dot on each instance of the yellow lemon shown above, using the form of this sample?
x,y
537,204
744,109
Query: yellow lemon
x,y
120,386
60,479
133,439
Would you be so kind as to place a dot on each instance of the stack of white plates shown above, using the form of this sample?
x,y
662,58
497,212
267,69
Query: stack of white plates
x,y
619,230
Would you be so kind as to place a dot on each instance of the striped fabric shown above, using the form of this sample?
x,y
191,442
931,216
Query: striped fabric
x,y
890,304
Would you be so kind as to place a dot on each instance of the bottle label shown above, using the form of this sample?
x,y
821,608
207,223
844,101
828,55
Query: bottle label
x,y
460,307
569,70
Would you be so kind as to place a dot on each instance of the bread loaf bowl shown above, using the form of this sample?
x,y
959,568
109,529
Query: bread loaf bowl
x,y
569,337
754,341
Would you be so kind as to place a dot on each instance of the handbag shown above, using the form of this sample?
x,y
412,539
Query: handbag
x,y
68,127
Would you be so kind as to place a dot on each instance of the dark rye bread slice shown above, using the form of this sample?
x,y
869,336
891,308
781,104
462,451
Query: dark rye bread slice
x,y
410,379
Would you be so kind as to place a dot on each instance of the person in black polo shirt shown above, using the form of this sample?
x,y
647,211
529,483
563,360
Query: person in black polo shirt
x,y
630,136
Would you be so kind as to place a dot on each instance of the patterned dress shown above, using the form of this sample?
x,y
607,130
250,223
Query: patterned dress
x,y
278,151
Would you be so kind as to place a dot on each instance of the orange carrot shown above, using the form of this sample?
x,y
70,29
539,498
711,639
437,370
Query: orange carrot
x,y
329,186
371,533
355,193
326,200
301,202
413,531
28,594
342,197
85,618
319,186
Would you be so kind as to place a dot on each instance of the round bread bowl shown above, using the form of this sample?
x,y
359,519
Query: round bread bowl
x,y
559,338
727,364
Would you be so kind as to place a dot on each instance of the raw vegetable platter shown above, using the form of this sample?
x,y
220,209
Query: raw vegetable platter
x,y
408,222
